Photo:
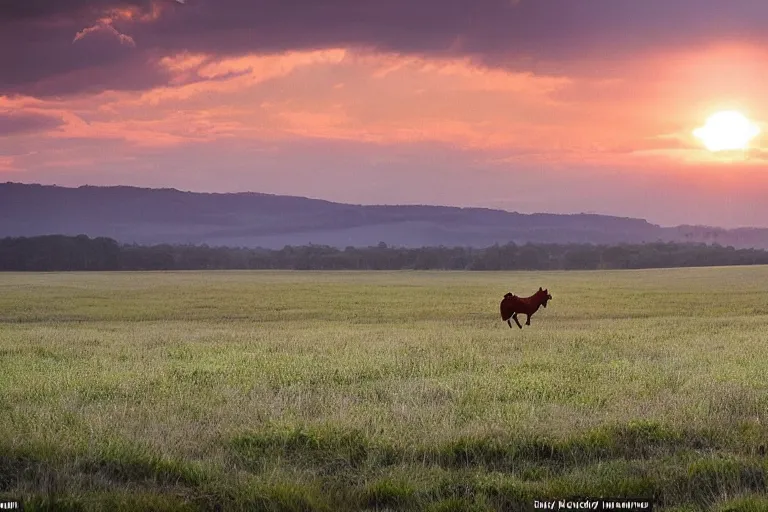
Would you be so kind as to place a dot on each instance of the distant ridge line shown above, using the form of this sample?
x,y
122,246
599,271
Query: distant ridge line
x,y
143,215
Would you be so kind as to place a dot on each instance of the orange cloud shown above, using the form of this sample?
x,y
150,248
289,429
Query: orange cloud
x,y
172,130
105,25
183,62
196,75
635,113
20,102
130,14
133,13
8,164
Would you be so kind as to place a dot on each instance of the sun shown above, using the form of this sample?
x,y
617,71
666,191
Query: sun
x,y
726,131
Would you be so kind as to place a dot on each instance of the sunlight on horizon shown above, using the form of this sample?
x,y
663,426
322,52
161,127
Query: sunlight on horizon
x,y
727,130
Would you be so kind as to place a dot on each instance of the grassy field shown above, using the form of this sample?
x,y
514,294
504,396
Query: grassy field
x,y
388,390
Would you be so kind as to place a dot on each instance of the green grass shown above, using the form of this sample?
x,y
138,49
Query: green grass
x,y
382,391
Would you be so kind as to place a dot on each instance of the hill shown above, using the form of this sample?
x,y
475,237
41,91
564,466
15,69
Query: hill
x,y
153,216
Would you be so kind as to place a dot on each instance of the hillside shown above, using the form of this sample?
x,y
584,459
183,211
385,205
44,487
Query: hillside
x,y
152,216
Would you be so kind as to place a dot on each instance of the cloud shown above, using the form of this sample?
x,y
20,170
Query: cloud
x,y
297,95
16,123
15,11
105,26
388,98
639,112
7,164
542,36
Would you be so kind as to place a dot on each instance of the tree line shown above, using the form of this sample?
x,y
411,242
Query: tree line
x,y
78,253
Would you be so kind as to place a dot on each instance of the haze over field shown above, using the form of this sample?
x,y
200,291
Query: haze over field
x,y
606,106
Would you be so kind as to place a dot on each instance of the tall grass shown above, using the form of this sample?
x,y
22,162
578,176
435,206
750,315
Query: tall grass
x,y
387,390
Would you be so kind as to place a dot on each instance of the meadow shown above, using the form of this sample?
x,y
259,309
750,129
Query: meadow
x,y
348,391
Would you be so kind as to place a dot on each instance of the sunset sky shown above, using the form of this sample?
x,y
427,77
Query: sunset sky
x,y
560,106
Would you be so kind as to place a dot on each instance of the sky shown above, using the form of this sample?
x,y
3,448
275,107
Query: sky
x,y
561,106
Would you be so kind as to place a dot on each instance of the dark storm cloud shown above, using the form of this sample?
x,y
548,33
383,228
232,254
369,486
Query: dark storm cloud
x,y
19,10
36,36
15,123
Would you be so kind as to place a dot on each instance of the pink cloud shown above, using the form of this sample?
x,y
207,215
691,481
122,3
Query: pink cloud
x,y
128,14
7,164
388,98
105,25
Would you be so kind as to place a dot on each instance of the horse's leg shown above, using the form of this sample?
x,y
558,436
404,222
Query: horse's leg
x,y
509,323
514,317
528,320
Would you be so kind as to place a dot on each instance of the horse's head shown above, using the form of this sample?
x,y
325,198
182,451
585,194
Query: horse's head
x,y
544,296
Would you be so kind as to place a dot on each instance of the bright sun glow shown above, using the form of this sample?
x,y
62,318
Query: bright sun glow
x,y
728,130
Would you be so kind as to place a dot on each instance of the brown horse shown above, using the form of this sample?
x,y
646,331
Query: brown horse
x,y
511,305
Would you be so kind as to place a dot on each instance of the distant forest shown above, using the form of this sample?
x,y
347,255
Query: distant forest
x,y
76,253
